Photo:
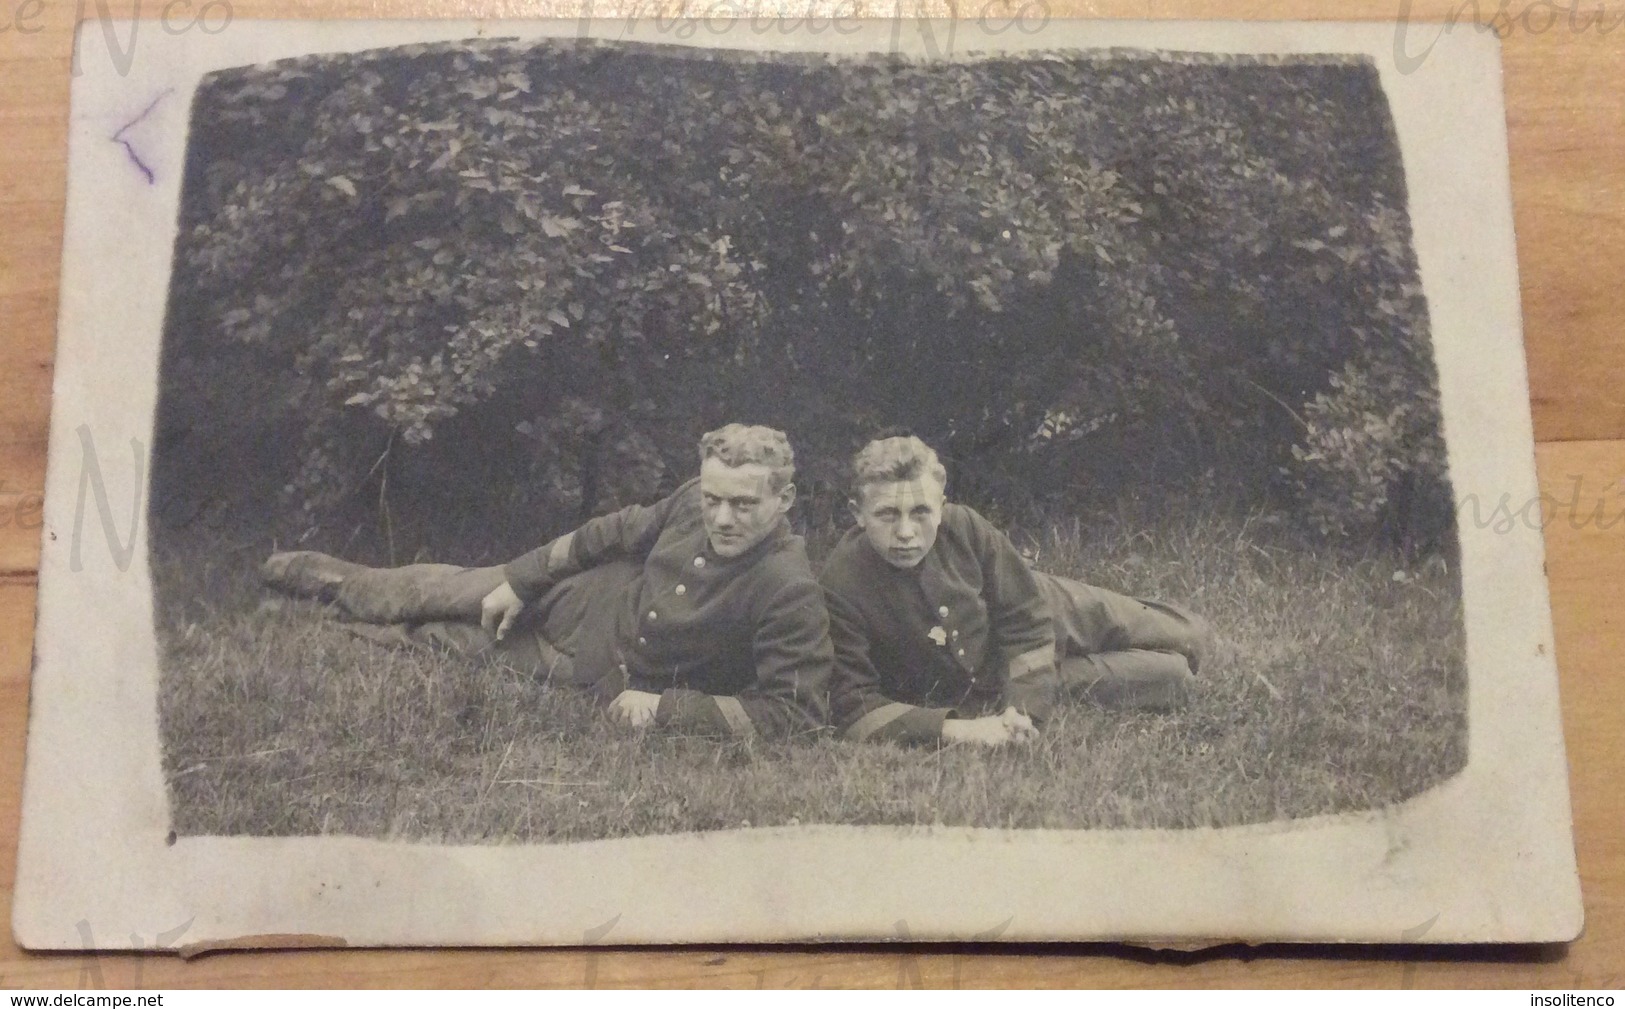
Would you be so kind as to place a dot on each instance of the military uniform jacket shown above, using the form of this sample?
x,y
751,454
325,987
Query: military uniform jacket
x,y
964,631
733,645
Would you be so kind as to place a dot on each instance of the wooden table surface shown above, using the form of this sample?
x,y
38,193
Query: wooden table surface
x,y
1566,112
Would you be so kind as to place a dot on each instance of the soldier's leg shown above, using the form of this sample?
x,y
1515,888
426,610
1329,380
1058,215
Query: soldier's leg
x,y
581,616
1135,679
570,628
421,605
1091,620
418,593
523,648
577,608
439,605
411,594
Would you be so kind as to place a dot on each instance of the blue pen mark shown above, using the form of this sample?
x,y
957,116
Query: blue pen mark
x,y
118,138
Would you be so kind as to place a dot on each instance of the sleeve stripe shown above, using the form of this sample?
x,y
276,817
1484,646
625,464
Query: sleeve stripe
x,y
1028,663
559,554
878,719
733,713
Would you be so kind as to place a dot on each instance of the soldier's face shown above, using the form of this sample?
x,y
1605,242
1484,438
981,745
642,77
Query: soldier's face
x,y
739,505
900,518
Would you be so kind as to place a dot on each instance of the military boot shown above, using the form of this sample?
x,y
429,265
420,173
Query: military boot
x,y
307,573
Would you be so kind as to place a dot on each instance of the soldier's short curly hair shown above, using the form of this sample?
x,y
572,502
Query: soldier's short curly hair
x,y
745,444
902,457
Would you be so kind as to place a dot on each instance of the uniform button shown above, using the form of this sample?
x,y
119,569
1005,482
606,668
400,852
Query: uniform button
x,y
681,590
961,653
699,562
653,615
643,641
942,611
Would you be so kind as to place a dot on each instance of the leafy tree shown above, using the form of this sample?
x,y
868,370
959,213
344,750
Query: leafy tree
x,y
521,278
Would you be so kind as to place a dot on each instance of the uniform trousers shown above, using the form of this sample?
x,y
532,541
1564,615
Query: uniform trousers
x,y
1119,651
566,637
1112,649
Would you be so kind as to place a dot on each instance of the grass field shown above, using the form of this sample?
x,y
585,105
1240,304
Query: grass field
x,y
1336,683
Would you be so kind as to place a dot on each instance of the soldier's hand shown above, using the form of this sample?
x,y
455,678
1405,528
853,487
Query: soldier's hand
x,y
499,609
635,708
987,731
1021,727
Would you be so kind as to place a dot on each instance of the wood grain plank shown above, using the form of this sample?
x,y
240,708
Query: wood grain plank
x,y
1566,123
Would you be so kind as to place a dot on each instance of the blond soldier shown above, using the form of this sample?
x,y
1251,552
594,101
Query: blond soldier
x,y
942,631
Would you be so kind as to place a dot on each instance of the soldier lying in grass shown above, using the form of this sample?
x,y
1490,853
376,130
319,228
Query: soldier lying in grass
x,y
941,630
699,612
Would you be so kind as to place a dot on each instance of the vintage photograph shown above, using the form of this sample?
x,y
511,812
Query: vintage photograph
x,y
638,481
564,439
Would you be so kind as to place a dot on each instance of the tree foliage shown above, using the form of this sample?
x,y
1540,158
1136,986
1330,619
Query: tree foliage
x,y
529,275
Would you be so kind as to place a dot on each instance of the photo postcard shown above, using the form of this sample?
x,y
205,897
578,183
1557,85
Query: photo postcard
x,y
638,481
